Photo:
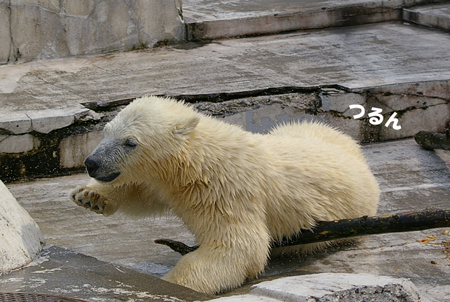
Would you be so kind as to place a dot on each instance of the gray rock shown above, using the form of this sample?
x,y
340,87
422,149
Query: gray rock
x,y
21,239
330,287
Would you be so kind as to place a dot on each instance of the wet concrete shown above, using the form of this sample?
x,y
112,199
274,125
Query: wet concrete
x,y
62,272
410,178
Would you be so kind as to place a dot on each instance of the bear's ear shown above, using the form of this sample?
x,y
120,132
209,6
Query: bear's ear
x,y
185,127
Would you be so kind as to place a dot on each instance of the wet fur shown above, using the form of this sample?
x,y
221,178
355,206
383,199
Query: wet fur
x,y
236,191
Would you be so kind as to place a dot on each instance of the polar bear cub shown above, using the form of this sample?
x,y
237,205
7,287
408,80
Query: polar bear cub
x,y
236,191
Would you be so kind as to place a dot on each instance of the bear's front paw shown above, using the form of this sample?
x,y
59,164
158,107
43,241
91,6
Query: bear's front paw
x,y
92,200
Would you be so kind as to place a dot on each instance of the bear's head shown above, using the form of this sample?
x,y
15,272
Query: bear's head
x,y
142,137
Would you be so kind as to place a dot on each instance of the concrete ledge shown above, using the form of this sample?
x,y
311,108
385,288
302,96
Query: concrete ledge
x,y
422,105
21,240
57,145
205,21
49,108
436,16
276,22
332,287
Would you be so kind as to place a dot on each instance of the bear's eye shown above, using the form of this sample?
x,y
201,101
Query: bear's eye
x,y
131,143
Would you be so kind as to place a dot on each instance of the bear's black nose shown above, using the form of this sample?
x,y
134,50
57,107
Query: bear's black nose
x,y
91,166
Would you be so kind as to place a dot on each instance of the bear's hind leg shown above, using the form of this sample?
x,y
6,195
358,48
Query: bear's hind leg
x,y
216,269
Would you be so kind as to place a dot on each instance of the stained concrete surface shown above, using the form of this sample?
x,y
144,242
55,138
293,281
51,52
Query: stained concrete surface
x,y
354,57
410,179
394,64
204,10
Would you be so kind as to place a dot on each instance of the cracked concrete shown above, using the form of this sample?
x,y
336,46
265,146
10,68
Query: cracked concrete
x,y
253,82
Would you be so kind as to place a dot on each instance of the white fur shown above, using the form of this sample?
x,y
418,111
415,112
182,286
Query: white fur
x,y
236,191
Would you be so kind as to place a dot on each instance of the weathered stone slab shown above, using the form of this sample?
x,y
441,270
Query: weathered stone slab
x,y
65,273
433,118
45,121
15,122
404,96
20,240
339,101
260,114
327,287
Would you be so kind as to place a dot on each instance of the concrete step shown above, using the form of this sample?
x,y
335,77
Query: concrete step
x,y
207,19
435,16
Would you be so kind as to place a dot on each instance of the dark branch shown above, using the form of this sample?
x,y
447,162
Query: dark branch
x,y
391,223
177,246
431,140
347,228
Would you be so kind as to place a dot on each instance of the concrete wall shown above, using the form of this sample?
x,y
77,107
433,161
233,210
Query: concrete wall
x,y
45,29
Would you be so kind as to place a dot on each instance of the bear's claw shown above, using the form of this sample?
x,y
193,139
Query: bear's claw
x,y
89,199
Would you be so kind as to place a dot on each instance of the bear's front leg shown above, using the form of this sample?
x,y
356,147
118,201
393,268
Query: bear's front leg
x,y
94,199
216,268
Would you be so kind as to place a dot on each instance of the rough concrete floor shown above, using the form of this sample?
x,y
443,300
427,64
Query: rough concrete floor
x,y
410,178
354,57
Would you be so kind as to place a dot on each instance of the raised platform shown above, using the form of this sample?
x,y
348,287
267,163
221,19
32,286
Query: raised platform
x,y
207,19
53,111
